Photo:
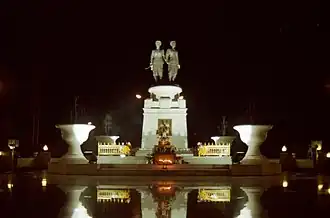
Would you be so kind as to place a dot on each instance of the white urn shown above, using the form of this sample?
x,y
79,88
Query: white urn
x,y
74,135
107,139
215,139
223,139
253,136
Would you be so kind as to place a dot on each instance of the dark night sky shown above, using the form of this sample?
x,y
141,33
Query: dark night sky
x,y
231,54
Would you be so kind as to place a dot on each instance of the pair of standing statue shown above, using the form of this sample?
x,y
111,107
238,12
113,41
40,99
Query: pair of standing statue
x,y
158,58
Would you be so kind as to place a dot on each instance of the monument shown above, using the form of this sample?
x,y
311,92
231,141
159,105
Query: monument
x,y
164,138
165,107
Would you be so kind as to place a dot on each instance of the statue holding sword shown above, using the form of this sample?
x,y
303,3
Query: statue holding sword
x,y
158,59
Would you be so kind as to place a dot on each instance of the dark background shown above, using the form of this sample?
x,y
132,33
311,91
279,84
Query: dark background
x,y
233,54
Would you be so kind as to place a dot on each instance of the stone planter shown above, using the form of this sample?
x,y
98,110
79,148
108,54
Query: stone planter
x,y
253,136
74,135
107,139
223,139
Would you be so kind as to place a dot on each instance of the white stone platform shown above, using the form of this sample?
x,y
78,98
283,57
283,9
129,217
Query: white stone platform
x,y
256,170
158,170
208,160
121,160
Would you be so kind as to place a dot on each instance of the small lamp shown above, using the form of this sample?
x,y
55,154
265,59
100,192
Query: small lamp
x,y
45,148
328,155
284,148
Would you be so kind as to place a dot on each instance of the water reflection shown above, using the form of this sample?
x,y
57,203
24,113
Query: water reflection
x,y
73,206
38,196
253,206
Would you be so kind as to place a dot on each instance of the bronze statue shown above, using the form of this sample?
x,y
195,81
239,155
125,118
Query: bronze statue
x,y
157,61
172,60
107,122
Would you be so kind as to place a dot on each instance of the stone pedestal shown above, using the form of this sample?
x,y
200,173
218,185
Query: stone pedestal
x,y
74,135
164,105
253,136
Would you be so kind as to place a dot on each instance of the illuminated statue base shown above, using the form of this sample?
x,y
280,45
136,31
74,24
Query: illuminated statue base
x,y
165,105
164,152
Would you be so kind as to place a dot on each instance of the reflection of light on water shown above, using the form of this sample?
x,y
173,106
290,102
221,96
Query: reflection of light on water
x,y
214,196
245,213
44,182
10,185
80,212
113,195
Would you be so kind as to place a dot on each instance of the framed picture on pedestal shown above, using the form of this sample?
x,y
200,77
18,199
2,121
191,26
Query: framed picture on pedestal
x,y
167,123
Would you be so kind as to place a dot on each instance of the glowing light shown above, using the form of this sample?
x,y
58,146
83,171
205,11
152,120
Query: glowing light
x,y
138,96
329,191
319,187
89,123
319,147
284,148
44,182
164,188
45,148
328,155
122,155
2,153
285,184
10,185
165,161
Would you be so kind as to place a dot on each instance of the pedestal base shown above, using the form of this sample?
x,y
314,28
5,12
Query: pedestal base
x,y
72,169
121,160
208,160
143,152
73,159
256,170
164,108
254,160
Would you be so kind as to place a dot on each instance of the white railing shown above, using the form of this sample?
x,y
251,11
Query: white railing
x,y
214,150
107,149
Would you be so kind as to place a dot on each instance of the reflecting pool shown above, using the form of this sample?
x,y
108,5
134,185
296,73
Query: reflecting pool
x,y
42,195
